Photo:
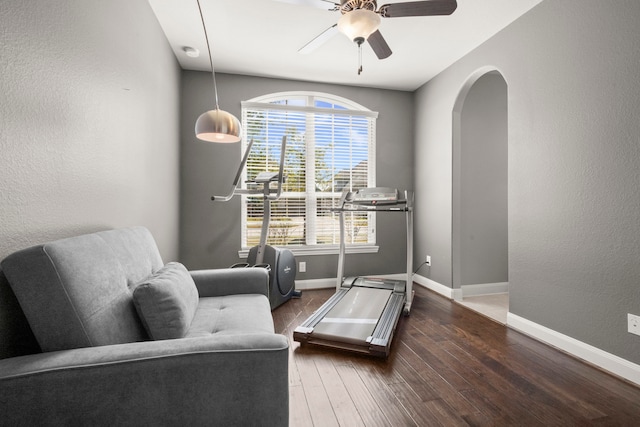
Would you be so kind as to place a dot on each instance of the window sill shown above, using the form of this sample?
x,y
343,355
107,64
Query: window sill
x,y
323,250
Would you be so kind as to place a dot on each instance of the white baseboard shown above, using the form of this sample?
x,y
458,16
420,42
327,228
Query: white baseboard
x,y
466,291
606,361
302,285
485,289
434,286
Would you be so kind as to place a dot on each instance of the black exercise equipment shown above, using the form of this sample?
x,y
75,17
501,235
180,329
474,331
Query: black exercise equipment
x,y
280,262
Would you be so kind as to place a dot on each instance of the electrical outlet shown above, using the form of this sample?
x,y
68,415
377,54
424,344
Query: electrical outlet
x,y
633,322
302,267
428,260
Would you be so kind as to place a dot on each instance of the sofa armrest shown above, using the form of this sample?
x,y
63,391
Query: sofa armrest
x,y
231,281
222,380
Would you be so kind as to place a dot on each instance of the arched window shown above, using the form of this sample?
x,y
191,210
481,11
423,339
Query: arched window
x,y
330,147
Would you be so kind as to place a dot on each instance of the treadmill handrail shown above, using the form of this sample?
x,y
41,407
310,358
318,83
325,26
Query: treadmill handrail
x,y
381,208
347,204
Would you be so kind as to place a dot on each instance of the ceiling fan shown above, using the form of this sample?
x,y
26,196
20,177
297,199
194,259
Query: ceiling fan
x,y
361,18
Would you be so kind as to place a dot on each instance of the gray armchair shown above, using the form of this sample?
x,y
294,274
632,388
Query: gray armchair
x,y
218,362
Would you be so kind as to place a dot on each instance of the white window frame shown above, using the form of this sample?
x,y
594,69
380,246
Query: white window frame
x,y
352,109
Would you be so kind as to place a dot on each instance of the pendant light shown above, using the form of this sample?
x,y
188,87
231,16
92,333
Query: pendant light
x,y
216,125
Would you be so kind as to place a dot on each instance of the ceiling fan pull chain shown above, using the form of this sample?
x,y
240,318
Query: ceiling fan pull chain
x,y
359,58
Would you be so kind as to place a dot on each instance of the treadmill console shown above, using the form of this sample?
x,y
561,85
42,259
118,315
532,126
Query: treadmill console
x,y
375,196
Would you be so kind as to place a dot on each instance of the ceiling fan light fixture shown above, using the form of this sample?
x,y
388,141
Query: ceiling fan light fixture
x,y
359,24
218,126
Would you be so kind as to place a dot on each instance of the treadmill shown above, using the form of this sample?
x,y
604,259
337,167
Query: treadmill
x,y
363,313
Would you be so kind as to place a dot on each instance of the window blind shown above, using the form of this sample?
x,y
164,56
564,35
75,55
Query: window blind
x,y
329,148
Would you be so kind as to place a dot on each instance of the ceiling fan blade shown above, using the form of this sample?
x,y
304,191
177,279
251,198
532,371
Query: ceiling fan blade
x,y
379,45
319,40
418,8
318,4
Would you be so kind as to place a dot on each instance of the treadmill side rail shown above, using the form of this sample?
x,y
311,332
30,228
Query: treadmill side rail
x,y
380,341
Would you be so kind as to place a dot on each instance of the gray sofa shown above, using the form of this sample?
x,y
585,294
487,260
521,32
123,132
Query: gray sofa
x,y
94,303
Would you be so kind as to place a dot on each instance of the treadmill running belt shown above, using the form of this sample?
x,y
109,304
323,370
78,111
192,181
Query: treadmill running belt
x,y
354,317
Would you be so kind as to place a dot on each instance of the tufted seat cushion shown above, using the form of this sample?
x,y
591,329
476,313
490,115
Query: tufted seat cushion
x,y
231,315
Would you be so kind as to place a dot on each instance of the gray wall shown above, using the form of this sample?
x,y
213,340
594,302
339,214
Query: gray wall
x,y
210,232
88,122
572,69
480,184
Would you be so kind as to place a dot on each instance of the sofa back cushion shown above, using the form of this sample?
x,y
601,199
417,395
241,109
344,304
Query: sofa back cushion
x,y
77,292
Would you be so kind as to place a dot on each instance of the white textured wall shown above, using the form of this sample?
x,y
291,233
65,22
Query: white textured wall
x,y
89,99
572,68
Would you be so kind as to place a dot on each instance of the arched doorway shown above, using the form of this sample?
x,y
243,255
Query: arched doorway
x,y
479,223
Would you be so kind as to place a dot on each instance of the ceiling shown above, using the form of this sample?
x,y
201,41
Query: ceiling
x,y
262,38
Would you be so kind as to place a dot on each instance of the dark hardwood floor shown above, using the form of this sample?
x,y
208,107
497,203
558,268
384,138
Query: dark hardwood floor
x,y
448,366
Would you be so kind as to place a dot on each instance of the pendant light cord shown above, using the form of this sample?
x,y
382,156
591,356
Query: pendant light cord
x,y
206,37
